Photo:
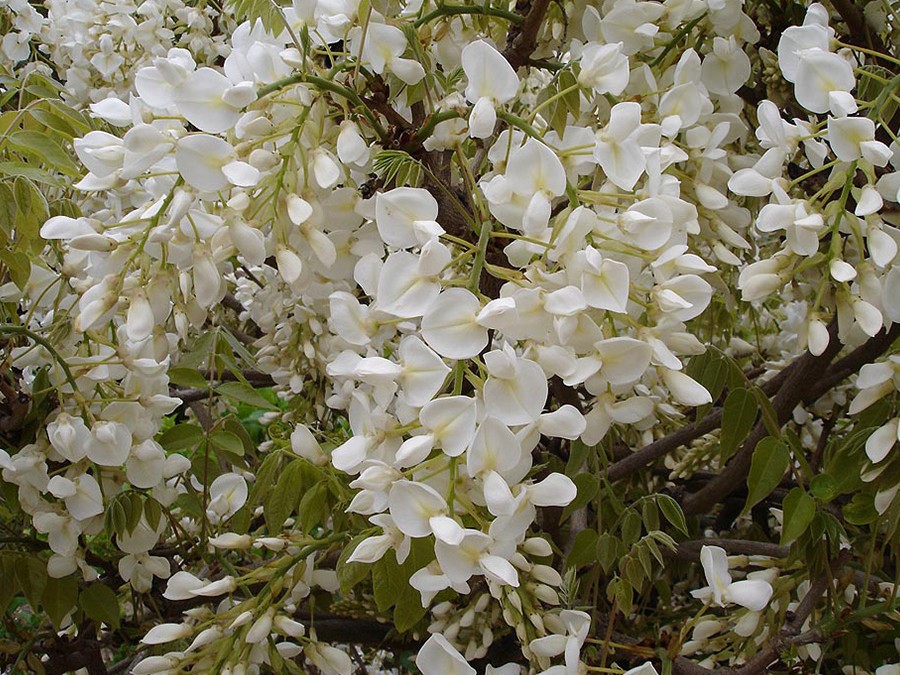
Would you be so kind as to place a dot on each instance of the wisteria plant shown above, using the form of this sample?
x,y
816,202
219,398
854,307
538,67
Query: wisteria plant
x,y
512,337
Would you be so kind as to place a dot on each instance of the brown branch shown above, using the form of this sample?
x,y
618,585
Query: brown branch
x,y
202,413
789,634
833,375
797,388
663,446
690,550
852,362
253,377
805,369
522,39
858,32
232,303
671,442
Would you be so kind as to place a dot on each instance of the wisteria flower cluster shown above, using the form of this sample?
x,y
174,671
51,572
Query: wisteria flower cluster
x,y
359,335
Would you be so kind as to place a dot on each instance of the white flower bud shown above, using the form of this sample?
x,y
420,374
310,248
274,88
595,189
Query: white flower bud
x,y
546,595
537,547
166,632
547,575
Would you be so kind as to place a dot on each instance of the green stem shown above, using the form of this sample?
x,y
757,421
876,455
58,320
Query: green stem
x,y
435,119
558,95
483,10
519,123
34,337
325,85
484,236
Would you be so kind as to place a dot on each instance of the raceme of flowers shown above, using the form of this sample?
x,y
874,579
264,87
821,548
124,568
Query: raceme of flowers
x,y
434,314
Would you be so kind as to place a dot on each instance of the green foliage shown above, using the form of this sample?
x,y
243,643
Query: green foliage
x,y
390,583
396,166
798,509
99,602
738,416
268,11
771,460
36,165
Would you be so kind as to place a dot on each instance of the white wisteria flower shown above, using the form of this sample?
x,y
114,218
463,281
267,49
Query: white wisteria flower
x,y
754,594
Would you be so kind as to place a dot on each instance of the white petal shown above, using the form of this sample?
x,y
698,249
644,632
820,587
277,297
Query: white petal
x,y
500,570
449,325
488,73
397,210
565,422
412,505
200,159
199,100
438,657
624,359
882,440
750,593
166,632
555,490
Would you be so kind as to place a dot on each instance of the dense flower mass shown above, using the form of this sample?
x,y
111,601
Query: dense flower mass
x,y
356,310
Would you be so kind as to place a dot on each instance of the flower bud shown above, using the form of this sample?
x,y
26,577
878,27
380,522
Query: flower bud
x,y
537,547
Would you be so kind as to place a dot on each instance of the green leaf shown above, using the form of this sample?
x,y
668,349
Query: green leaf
x,y
584,549
578,454
390,582
314,507
75,118
10,586
572,98
609,551
188,377
17,168
799,509
644,557
588,485
771,459
624,595
238,429
54,122
265,478
248,358
114,519
283,499
844,457
152,512
861,509
134,509
31,573
8,211
738,417
182,436
59,598
18,266
45,149
672,512
631,527
385,585
244,393
227,441
769,416
650,515
390,164
824,487
100,603
267,11
710,370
